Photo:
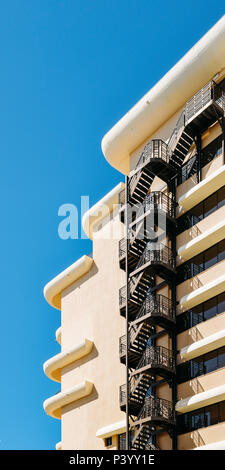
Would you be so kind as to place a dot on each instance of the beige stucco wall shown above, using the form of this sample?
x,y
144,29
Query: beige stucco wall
x,y
90,309
201,384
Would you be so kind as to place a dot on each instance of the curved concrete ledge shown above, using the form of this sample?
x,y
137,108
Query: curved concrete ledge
x,y
202,190
220,445
53,405
54,288
198,66
52,367
58,335
214,395
215,341
203,241
101,210
112,429
58,446
203,293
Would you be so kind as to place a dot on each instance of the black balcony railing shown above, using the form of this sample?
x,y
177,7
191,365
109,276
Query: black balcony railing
x,y
158,356
157,409
155,149
157,305
157,253
157,201
122,345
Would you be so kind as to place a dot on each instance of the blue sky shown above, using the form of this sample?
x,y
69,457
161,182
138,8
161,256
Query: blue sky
x,y
69,70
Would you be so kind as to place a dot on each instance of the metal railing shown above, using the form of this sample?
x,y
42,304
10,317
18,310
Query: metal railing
x,y
122,296
157,305
157,408
156,148
157,201
160,254
122,345
158,356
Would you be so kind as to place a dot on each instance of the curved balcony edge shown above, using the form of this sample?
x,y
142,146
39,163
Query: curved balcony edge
x,y
52,367
53,405
211,396
116,428
203,189
58,335
58,446
202,293
54,288
201,242
205,345
97,213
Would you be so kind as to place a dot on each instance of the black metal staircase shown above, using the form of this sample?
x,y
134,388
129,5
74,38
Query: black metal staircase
x,y
148,257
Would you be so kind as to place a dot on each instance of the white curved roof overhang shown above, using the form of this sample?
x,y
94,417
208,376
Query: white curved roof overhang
x,y
53,405
54,288
53,366
101,210
201,63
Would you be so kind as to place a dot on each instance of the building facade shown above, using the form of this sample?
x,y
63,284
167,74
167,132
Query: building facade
x,y
142,361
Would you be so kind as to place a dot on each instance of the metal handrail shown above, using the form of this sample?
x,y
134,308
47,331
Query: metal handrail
x,y
157,201
157,408
121,198
157,304
158,356
161,254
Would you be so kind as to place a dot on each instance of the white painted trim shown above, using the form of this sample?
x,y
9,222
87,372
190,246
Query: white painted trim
x,y
58,446
54,288
53,405
206,187
206,291
101,210
219,445
214,232
198,66
53,366
215,341
111,429
214,395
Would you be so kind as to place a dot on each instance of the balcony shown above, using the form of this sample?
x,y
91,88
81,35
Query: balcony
x,y
157,259
157,412
157,310
200,112
154,160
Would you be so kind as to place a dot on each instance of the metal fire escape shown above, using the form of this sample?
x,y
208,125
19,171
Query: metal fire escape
x,y
145,259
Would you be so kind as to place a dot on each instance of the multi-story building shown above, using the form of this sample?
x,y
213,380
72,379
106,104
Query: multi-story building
x,y
142,361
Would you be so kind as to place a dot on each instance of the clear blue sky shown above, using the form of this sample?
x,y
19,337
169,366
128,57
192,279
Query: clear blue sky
x,y
69,70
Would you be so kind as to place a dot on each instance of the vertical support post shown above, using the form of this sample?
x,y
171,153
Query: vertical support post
x,y
174,335
127,315
199,156
223,138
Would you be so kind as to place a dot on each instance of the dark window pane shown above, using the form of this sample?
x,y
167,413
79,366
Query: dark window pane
x,y
221,197
221,303
210,362
221,250
210,257
210,204
211,415
221,412
210,308
197,211
221,357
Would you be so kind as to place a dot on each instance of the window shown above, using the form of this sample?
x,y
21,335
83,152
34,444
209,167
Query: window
x,y
201,211
108,441
210,308
204,417
201,365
